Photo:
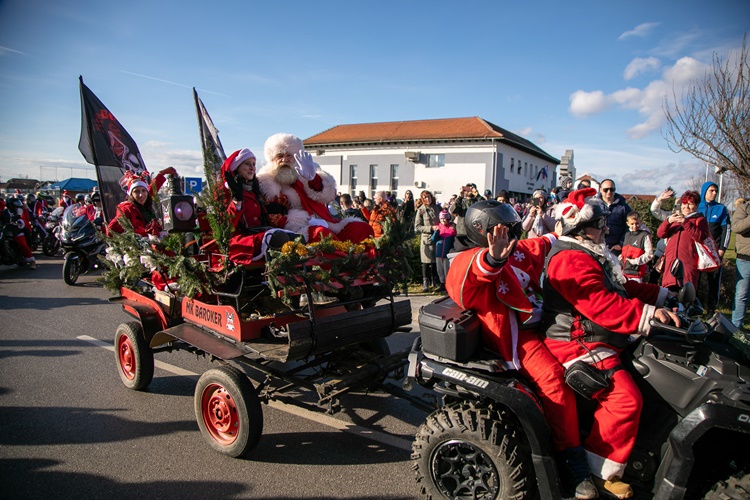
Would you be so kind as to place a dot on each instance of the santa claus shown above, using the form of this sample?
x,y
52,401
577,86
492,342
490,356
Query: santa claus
x,y
297,194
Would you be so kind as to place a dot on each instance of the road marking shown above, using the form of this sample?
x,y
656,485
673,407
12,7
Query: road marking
x,y
327,420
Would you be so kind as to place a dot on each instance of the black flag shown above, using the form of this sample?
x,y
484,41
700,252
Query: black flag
x,y
213,151
108,146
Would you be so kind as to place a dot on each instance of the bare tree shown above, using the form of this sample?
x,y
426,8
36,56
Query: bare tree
x,y
711,119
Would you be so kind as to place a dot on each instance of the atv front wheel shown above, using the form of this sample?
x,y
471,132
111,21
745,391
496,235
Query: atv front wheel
x,y
134,358
468,451
228,411
71,268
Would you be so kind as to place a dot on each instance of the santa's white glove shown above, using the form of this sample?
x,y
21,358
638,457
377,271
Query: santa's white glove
x,y
305,165
314,221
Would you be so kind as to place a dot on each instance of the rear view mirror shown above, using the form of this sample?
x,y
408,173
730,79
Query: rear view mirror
x,y
678,271
687,293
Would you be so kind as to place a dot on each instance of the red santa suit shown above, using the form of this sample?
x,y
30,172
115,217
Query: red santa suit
x,y
249,217
300,205
505,298
144,221
593,310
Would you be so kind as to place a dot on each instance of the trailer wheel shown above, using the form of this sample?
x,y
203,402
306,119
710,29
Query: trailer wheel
x,y
134,358
466,451
228,411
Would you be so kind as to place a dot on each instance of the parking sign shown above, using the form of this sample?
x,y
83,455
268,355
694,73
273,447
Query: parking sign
x,y
193,184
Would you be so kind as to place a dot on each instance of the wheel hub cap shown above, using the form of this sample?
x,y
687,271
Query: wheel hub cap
x,y
462,470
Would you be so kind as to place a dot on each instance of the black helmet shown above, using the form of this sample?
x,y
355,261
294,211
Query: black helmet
x,y
96,196
80,197
15,202
483,216
580,210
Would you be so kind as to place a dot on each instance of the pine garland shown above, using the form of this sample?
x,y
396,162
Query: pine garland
x,y
382,260
214,200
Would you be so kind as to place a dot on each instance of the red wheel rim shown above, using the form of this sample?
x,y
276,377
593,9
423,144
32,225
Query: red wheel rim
x,y
220,414
126,356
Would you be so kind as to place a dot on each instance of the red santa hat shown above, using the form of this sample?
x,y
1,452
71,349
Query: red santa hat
x,y
130,181
579,208
282,143
236,159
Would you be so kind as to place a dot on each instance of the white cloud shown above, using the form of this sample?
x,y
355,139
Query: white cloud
x,y
5,51
524,132
642,30
648,101
639,66
584,103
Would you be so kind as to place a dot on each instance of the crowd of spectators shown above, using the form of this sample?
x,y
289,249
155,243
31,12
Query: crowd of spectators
x,y
643,256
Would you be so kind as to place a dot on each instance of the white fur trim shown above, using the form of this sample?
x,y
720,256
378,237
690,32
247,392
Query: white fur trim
x,y
282,142
603,467
297,221
244,154
482,265
648,313
136,183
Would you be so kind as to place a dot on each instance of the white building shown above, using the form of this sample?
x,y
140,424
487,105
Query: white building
x,y
437,155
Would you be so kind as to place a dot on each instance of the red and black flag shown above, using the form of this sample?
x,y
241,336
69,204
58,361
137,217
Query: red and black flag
x,y
213,151
107,145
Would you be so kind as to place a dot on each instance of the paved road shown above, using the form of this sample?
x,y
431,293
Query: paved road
x,y
69,428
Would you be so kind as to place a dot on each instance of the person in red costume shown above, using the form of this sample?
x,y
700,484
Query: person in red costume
x,y
498,278
139,207
252,233
591,310
682,231
296,194
14,216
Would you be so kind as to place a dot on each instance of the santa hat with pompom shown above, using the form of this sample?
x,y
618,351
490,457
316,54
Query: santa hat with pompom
x,y
130,181
579,208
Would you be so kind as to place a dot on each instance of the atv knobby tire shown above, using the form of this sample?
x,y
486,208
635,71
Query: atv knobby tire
x,y
469,451
133,356
737,486
228,411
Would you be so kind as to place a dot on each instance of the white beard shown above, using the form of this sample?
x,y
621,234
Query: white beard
x,y
286,176
604,253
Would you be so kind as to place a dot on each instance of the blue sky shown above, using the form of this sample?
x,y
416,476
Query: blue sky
x,y
583,75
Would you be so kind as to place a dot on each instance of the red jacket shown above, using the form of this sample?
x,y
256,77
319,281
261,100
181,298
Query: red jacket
x,y
128,210
681,244
473,284
579,278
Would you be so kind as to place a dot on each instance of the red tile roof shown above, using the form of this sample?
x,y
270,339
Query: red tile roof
x,y
423,130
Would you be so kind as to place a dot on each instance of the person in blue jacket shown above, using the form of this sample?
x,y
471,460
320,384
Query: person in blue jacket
x,y
719,226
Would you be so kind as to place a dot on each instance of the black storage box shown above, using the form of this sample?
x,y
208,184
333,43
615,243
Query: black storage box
x,y
449,331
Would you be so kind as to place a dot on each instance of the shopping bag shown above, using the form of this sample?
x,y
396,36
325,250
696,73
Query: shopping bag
x,y
707,256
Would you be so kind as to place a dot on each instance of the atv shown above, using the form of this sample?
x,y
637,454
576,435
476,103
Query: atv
x,y
489,439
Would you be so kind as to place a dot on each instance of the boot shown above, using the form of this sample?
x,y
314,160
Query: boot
x,y
425,285
574,473
614,487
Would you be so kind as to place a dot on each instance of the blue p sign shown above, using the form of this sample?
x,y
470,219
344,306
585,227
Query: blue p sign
x,y
193,184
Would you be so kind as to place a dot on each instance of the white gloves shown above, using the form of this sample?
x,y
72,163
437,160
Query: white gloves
x,y
305,165
314,221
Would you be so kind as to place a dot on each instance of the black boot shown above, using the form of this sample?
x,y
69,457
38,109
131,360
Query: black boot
x,y
575,475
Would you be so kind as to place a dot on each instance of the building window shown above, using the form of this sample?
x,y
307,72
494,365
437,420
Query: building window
x,y
435,161
512,165
353,180
373,180
394,178
525,169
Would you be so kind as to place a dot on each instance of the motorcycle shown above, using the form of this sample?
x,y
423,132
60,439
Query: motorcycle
x,y
10,254
81,244
51,243
490,440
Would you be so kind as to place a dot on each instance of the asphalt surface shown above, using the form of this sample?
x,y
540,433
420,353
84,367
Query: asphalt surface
x,y
70,429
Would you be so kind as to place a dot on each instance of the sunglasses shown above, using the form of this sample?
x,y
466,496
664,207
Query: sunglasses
x,y
607,190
